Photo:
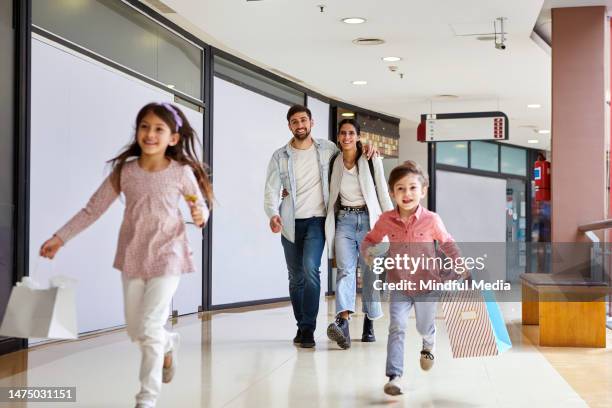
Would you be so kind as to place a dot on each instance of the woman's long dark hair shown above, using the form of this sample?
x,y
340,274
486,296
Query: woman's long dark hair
x,y
183,152
353,123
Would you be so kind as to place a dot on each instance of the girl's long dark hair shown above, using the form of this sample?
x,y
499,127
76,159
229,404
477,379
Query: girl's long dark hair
x,y
183,152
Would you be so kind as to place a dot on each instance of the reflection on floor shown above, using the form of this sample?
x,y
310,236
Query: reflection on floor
x,y
245,358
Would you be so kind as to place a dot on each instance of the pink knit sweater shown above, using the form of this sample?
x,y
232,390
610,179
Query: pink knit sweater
x,y
152,240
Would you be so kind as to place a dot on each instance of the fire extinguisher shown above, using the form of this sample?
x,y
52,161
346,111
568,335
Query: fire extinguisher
x,y
541,177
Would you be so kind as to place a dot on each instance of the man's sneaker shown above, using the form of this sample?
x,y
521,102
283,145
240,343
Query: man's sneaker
x,y
298,337
394,386
307,338
338,331
368,331
426,360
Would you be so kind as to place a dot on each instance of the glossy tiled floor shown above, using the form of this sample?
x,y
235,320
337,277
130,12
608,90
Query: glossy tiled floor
x,y
245,358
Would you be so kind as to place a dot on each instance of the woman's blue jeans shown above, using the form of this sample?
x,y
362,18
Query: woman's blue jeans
x,y
351,229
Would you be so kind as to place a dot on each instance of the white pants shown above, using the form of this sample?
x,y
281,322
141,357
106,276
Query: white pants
x,y
147,307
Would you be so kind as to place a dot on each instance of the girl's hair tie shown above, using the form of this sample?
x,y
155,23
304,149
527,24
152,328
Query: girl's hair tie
x,y
177,118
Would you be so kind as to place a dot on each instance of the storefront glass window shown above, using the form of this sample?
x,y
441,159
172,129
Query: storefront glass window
x,y
452,153
513,161
135,41
484,156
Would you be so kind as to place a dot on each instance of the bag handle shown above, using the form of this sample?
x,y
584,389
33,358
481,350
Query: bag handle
x,y
36,267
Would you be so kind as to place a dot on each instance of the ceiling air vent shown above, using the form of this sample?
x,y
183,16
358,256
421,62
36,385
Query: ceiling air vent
x,y
163,8
368,41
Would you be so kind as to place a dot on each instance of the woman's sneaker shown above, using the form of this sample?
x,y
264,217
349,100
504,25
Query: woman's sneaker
x,y
426,360
394,386
368,331
338,331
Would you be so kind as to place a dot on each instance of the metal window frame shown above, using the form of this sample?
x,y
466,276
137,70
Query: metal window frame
x,y
22,73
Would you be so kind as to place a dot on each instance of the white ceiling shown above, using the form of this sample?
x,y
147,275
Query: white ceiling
x,y
294,37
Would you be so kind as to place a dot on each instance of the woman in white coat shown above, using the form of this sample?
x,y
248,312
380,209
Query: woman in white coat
x,y
358,196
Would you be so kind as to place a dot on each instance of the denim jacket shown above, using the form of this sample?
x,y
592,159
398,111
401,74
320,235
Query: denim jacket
x,y
281,175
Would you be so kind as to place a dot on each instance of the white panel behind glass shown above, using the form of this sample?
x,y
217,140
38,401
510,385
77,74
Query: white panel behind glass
x,y
473,209
82,115
248,260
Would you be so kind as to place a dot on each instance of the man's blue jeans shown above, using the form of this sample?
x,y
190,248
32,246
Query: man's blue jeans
x,y
303,262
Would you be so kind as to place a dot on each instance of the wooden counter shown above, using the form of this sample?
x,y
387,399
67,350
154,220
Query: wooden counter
x,y
570,310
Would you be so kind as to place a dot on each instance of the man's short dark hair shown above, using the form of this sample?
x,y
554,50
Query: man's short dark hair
x,y
297,109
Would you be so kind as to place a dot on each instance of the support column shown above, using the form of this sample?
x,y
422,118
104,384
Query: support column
x,y
578,120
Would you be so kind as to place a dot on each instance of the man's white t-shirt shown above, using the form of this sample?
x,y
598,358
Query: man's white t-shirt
x,y
309,189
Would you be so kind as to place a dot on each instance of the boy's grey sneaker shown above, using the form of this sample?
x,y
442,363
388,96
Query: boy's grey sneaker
x,y
338,331
426,360
394,386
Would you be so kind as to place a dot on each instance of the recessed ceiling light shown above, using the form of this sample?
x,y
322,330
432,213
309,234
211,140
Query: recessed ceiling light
x,y
170,86
534,105
359,82
354,20
533,141
543,131
392,59
348,115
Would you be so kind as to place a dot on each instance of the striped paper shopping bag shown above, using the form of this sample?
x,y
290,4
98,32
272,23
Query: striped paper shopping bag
x,y
468,324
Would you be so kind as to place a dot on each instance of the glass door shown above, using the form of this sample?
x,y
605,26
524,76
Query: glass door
x,y
516,229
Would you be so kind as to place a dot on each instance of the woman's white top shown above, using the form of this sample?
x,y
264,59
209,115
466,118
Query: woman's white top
x,y
373,189
350,190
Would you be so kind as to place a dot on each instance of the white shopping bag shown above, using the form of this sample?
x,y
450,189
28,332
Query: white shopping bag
x,y
41,313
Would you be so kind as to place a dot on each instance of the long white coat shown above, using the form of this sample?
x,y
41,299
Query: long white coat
x,y
377,203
